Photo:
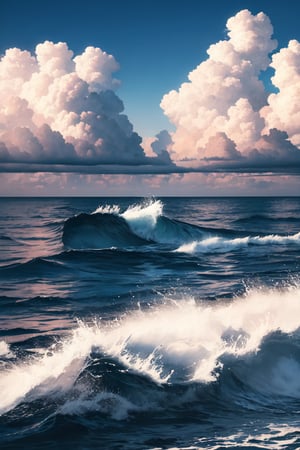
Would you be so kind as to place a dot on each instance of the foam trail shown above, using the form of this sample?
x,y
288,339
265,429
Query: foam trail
x,y
281,437
221,245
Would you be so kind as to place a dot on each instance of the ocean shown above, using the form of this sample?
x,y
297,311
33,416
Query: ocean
x,y
160,323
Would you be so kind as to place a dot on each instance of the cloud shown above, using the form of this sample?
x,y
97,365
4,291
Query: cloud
x,y
161,146
220,148
283,109
60,112
61,109
209,184
223,115
275,148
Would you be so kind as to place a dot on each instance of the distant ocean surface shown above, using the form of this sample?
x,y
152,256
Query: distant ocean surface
x,y
130,323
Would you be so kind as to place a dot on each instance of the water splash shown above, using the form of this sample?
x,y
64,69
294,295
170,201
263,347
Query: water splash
x,y
107,209
5,350
142,219
178,342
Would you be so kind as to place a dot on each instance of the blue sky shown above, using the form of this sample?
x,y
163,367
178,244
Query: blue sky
x,y
253,149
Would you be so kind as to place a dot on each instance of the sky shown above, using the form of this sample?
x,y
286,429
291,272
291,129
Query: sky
x,y
150,98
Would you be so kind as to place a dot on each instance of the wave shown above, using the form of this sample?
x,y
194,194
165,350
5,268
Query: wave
x,y
265,218
108,403
33,268
145,223
98,230
219,244
137,225
248,347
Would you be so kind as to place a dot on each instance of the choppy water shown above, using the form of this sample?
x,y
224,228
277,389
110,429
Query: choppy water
x,y
150,324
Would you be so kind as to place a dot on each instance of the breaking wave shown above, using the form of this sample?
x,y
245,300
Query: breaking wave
x,y
137,225
220,244
145,223
248,347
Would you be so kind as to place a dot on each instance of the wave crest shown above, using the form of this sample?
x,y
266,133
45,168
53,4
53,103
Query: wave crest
x,y
254,338
138,225
220,244
145,223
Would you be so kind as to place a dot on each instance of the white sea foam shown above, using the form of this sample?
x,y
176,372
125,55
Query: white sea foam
x,y
109,403
107,209
222,244
180,341
270,436
184,341
142,218
56,370
149,209
5,350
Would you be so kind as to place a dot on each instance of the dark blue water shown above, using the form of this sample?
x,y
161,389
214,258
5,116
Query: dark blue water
x,y
169,323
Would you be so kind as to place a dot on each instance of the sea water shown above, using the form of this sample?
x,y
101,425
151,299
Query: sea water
x,y
129,323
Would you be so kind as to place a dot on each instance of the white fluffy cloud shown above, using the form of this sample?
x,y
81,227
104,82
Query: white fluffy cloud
x,y
60,112
224,113
283,109
57,108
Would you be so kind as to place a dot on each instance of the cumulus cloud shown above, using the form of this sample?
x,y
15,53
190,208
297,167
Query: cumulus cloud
x,y
60,109
162,142
161,146
220,148
223,115
283,109
60,112
275,148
